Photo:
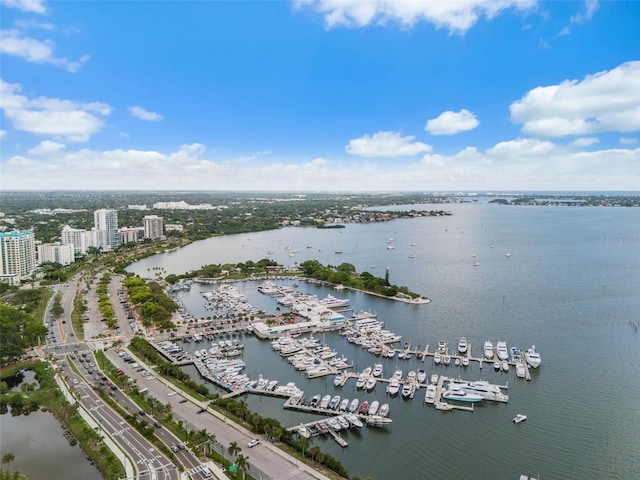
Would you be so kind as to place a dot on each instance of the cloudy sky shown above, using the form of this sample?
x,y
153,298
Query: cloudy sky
x,y
316,95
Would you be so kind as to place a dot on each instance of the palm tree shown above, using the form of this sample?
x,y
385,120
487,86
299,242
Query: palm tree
x,y
242,463
8,458
234,449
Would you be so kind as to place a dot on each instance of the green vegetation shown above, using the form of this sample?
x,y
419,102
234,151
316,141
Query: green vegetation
x,y
104,302
345,274
21,317
49,396
153,305
79,308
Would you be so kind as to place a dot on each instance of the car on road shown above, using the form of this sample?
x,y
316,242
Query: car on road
x,y
253,443
201,410
183,400
141,413
157,424
172,393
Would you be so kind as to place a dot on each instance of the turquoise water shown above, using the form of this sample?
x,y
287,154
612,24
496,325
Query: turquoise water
x,y
571,287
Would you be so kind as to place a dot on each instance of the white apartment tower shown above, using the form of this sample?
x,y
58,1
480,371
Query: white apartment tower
x,y
17,254
153,226
77,237
106,220
62,253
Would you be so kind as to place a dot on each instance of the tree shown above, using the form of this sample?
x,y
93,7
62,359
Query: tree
x,y
233,448
242,463
8,458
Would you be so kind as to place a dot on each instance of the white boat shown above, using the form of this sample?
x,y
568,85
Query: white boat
x,y
463,345
371,383
344,404
304,431
362,381
465,361
394,387
532,357
355,420
422,375
443,406
488,349
501,350
353,406
391,353
434,378
442,346
335,401
519,418
407,388
437,359
430,395
520,371
333,423
324,403
459,395
397,374
340,380
496,365
446,360
344,423
384,410
373,408
377,370
505,366
484,389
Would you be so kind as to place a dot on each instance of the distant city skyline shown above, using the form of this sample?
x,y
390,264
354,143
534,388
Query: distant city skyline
x,y
318,95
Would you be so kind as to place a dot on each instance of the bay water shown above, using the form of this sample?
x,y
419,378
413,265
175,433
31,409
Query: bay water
x,y
570,286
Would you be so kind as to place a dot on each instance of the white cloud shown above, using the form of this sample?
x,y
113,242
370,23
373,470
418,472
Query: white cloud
x,y
74,121
584,141
45,147
628,141
450,123
590,7
563,32
31,23
456,16
3,133
35,6
139,112
520,148
605,101
386,144
12,42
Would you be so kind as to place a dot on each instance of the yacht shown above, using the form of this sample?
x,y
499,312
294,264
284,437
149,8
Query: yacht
x,y
434,378
344,404
340,380
462,345
353,406
394,387
484,389
532,357
324,403
488,349
364,407
304,431
315,401
437,358
505,366
362,381
371,383
333,423
355,420
391,353
373,408
442,346
443,406
384,410
430,395
422,375
335,401
446,360
459,395
344,423
501,350
520,371
407,388
465,361
377,370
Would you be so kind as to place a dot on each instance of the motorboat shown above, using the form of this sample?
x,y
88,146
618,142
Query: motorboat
x,y
335,401
465,361
532,357
344,404
505,366
334,424
324,403
407,388
496,365
340,380
520,370
519,418
377,370
304,431
501,350
434,378
397,374
371,383
442,346
374,407
484,389
353,406
437,359
515,353
355,420
391,353
462,345
362,381
344,423
446,360
459,395
422,375
384,410
430,395
394,387
488,349
443,406
364,407
315,400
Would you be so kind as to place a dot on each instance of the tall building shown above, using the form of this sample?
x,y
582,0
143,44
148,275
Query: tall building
x,y
106,220
77,237
17,254
62,253
153,226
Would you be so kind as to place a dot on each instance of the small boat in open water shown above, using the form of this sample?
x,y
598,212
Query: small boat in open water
x,y
519,418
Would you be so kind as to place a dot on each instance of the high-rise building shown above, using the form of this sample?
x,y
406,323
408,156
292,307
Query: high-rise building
x,y
77,237
106,220
153,226
17,254
62,253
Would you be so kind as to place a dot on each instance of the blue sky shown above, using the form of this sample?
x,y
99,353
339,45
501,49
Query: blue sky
x,y
320,95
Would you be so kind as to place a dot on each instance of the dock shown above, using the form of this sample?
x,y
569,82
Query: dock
x,y
336,436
